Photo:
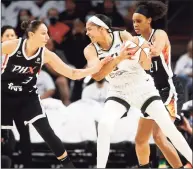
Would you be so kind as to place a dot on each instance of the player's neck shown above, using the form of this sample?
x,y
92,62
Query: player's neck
x,y
106,42
30,48
146,34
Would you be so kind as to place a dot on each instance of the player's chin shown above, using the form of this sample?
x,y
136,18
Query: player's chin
x,y
137,31
43,44
93,40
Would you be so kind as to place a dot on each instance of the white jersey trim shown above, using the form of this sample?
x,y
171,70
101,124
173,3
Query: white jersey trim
x,y
4,65
38,116
6,127
170,81
24,54
18,45
42,56
150,37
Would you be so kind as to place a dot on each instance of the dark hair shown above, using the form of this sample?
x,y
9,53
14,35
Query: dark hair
x,y
156,9
105,19
30,26
5,27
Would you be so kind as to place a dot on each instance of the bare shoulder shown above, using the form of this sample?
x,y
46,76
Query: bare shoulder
x,y
47,52
10,46
125,35
89,48
89,51
48,55
160,32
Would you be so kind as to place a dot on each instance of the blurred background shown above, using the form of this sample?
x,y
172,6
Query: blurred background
x,y
74,107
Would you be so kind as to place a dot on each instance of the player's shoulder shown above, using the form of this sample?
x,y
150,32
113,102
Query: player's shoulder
x,y
90,48
125,35
161,32
48,52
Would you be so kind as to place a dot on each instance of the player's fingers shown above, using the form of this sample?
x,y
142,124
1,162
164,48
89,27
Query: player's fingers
x,y
106,60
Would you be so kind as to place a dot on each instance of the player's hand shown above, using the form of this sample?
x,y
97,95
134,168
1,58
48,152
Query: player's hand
x,y
185,126
126,52
102,63
153,51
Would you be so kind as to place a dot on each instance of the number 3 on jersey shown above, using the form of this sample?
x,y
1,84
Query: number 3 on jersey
x,y
28,80
154,67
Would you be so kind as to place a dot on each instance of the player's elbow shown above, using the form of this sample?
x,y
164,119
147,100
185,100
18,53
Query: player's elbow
x,y
146,65
76,75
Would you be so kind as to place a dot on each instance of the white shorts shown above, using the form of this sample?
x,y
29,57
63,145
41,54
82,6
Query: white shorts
x,y
171,108
136,92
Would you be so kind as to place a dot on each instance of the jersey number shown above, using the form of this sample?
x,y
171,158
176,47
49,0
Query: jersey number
x,y
154,67
28,80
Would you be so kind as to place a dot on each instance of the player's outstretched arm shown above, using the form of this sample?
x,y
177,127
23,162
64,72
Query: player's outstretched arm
x,y
60,67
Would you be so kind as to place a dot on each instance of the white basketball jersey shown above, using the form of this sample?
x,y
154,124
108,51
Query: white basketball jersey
x,y
126,69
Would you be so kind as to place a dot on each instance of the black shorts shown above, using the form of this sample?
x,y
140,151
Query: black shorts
x,y
171,106
28,108
164,93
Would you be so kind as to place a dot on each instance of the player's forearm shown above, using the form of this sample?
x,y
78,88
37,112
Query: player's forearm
x,y
189,130
81,73
72,73
146,65
106,69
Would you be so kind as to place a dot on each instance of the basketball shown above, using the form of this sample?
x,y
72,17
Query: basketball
x,y
138,47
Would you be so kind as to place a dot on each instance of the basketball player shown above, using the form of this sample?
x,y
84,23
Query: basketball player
x,y
165,82
22,64
8,33
129,85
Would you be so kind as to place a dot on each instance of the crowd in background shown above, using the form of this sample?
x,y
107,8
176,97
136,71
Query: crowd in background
x,y
66,25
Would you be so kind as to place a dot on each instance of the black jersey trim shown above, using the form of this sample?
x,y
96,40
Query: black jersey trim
x,y
121,101
120,36
148,102
152,35
111,44
95,48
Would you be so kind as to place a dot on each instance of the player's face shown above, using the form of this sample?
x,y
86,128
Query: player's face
x,y
41,35
9,34
140,23
93,32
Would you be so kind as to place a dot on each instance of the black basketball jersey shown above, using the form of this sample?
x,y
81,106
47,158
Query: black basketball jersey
x,y
161,67
19,72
